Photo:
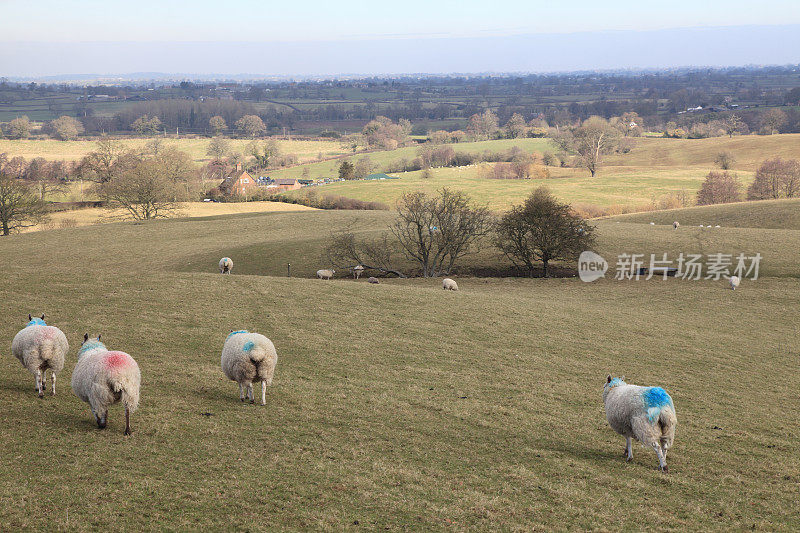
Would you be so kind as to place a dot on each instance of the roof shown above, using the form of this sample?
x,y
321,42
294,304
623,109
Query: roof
x,y
285,181
379,177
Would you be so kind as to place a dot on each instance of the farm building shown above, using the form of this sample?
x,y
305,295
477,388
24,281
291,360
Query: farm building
x,y
239,183
287,184
379,177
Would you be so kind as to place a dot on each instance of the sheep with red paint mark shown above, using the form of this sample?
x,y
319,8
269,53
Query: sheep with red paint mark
x,y
103,377
40,348
646,414
248,358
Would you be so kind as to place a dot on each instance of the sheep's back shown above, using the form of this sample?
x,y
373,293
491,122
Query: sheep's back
x,y
35,345
623,403
247,356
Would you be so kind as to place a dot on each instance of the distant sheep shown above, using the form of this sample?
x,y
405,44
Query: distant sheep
x,y
449,284
249,357
675,225
102,378
357,271
225,265
325,273
734,280
646,414
373,279
40,348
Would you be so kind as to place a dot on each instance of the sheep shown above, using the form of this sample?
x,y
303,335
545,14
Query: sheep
x,y
644,413
373,279
40,348
102,378
449,284
734,280
675,225
357,271
249,357
325,273
225,265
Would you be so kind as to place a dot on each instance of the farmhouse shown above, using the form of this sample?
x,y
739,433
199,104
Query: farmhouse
x,y
239,183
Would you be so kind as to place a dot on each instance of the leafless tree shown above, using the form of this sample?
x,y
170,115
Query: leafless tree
x,y
591,140
144,191
19,206
435,231
347,251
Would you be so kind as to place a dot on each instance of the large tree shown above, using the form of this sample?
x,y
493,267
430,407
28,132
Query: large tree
x,y
65,128
772,121
776,178
19,205
100,165
542,229
436,230
482,125
720,188
143,191
19,128
516,126
217,124
250,126
590,141
145,125
218,148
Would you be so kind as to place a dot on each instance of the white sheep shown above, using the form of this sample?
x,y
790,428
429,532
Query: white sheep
x,y
102,378
325,273
357,271
643,413
675,225
373,279
225,265
249,357
449,284
40,348
734,280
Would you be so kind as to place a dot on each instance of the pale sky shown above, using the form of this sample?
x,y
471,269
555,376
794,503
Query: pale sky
x,y
314,20
315,37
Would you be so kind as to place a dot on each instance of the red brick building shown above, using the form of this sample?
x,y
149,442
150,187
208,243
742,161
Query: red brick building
x,y
240,183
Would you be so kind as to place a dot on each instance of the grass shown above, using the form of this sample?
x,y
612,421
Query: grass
x,y
195,147
772,214
400,405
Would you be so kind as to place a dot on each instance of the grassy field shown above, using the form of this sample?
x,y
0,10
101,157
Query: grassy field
x,y
655,168
771,214
195,147
397,406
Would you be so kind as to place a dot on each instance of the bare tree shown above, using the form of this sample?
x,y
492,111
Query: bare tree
x,y
776,178
250,126
732,124
143,191
19,206
720,188
217,124
591,140
725,160
218,148
99,164
346,251
773,120
435,231
542,229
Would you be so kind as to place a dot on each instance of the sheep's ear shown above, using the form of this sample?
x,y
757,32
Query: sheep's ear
x,y
608,378
30,317
42,316
85,337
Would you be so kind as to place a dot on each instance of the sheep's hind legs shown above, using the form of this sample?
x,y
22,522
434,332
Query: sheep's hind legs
x,y
39,383
250,393
241,392
54,384
127,421
628,450
662,460
263,393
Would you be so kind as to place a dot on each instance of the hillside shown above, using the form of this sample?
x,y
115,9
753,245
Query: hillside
x,y
397,405
772,214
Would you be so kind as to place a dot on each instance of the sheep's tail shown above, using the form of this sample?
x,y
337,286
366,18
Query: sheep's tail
x,y
262,356
667,420
128,387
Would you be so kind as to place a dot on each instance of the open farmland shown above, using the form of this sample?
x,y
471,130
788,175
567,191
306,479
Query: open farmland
x,y
195,147
400,405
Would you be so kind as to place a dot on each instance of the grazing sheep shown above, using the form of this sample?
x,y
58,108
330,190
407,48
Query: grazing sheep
x,y
373,279
652,223
325,273
675,225
449,284
40,348
225,265
357,271
734,282
646,414
102,378
249,357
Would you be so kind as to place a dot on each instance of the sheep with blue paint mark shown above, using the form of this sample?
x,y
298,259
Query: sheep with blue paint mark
x,y
40,348
225,265
103,377
646,414
734,281
247,358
